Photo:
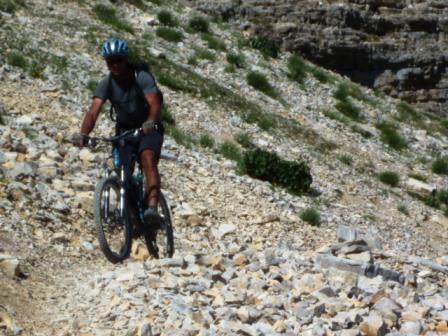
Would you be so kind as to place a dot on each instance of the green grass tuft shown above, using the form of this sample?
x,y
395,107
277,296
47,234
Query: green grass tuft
x,y
321,75
311,216
297,69
236,59
10,6
244,139
181,137
346,159
199,24
259,82
213,42
266,46
166,116
403,209
230,151
407,112
166,18
389,178
440,166
391,137
206,54
109,16
17,59
170,34
348,109
207,141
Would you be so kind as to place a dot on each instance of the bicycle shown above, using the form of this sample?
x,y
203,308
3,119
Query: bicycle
x,y
119,204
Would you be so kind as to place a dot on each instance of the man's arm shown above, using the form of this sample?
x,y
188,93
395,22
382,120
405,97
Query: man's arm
x,y
91,116
155,105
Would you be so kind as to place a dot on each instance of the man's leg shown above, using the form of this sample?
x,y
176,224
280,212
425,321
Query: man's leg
x,y
149,162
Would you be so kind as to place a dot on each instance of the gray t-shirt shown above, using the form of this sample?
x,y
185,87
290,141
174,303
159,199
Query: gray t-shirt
x,y
128,100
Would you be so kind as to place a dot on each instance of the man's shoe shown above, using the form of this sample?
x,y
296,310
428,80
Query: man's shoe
x,y
152,218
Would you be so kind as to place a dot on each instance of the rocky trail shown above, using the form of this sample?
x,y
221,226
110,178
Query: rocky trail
x,y
245,262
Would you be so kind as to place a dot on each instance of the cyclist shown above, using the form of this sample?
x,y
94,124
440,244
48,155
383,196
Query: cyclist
x,y
137,101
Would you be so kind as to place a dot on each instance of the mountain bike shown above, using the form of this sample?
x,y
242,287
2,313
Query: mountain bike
x,y
120,202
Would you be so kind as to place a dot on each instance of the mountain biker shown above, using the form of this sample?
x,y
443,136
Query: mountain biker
x,y
137,101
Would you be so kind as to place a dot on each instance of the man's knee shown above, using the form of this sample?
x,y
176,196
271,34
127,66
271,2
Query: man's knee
x,y
148,156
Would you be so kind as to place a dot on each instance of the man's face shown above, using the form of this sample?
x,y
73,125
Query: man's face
x,y
117,65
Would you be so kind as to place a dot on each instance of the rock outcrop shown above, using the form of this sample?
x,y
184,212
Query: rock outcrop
x,y
398,47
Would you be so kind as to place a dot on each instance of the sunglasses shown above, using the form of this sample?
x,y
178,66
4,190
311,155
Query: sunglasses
x,y
115,60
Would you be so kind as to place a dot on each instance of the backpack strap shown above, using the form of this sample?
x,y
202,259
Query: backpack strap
x,y
112,111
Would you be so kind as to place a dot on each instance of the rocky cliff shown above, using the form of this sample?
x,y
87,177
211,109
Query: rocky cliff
x,y
398,47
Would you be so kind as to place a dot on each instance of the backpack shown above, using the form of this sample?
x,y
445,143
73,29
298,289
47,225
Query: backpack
x,y
137,68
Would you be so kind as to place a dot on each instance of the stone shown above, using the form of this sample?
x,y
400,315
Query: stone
x,y
345,233
279,326
411,328
373,325
364,256
223,230
240,260
419,187
10,265
139,251
22,170
145,329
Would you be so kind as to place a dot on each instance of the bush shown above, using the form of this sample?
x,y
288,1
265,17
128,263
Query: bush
x,y
349,109
389,178
206,141
260,164
236,59
440,166
15,58
264,121
267,47
297,69
244,140
311,216
166,18
181,137
342,92
170,81
169,34
214,43
260,82
390,136
199,24
108,16
321,75
403,209
336,116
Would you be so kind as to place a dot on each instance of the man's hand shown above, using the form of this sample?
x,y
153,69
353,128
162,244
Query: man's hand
x,y
79,139
148,126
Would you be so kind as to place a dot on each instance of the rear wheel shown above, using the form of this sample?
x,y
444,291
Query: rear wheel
x,y
159,237
112,221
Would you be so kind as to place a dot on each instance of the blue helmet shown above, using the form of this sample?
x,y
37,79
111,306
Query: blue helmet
x,y
115,47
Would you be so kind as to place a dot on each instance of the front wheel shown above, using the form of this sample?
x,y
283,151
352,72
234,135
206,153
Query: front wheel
x,y
159,237
112,221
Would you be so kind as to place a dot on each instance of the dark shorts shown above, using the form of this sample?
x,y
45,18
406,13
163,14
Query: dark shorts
x,y
135,145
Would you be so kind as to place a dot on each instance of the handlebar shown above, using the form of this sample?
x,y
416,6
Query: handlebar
x,y
93,141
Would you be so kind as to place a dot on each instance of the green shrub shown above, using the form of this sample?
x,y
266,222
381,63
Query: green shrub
x,y
91,85
192,60
136,3
166,116
444,123
236,59
206,141
260,164
108,15
440,166
311,216
349,109
169,34
389,178
37,69
59,63
214,43
166,18
230,151
346,159
259,81
244,139
297,69
181,137
199,24
390,136
15,58
267,47
336,116
202,53
264,121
